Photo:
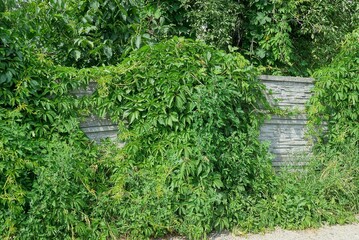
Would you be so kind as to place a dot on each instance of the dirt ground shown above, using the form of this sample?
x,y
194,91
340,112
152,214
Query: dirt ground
x,y
336,232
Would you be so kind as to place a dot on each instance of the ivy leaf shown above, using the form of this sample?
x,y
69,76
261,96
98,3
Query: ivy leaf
x,y
157,14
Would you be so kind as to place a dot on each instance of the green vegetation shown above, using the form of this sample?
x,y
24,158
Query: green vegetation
x,y
189,112
287,37
191,157
336,95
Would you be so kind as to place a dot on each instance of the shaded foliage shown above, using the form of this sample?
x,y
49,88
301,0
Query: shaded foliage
x,y
286,37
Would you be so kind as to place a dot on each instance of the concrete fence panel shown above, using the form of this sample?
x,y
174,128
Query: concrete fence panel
x,y
286,134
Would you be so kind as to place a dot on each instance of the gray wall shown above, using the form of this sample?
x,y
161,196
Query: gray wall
x,y
94,127
97,129
286,135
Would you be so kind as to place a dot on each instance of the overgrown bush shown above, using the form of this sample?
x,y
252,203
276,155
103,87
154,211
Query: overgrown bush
x,y
193,164
192,160
46,162
46,183
334,106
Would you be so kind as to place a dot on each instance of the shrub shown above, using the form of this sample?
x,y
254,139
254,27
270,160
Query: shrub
x,y
192,158
45,184
335,100
45,160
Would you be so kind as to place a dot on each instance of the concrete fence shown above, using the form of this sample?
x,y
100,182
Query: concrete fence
x,y
286,134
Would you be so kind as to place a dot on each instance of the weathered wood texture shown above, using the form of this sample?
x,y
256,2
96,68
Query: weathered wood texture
x,y
285,134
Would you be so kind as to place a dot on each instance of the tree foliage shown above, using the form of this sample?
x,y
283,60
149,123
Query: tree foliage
x,y
284,36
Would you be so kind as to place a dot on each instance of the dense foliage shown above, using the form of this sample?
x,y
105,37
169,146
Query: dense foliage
x,y
334,106
192,160
192,141
46,185
294,36
188,112
289,37
45,162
